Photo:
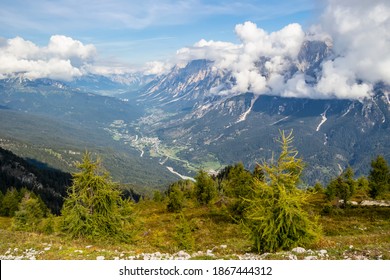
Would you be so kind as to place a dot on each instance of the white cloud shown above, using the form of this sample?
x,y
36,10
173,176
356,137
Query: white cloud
x,y
62,59
66,47
156,68
277,48
360,32
223,54
357,30
338,81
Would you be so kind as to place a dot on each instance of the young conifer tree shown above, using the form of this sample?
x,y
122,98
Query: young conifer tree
x,y
343,187
30,214
94,208
379,177
205,188
274,218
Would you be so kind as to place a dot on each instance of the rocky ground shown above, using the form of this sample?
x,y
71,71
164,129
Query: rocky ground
x,y
298,253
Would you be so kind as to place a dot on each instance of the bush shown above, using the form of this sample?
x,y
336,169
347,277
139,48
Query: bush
x,y
184,238
157,196
48,225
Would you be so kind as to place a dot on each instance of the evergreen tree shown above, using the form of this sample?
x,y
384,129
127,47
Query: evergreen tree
x,y
1,201
176,200
10,202
318,188
379,177
31,211
184,238
258,172
275,219
157,196
342,187
236,185
205,188
362,188
94,207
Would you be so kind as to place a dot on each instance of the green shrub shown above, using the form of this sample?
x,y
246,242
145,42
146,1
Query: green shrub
x,y
184,237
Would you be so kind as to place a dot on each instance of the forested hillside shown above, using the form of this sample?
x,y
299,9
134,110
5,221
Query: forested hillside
x,y
50,184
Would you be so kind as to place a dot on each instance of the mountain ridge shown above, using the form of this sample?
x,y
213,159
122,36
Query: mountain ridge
x,y
191,118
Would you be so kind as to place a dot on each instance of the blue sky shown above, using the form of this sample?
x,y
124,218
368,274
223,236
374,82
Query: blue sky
x,y
134,32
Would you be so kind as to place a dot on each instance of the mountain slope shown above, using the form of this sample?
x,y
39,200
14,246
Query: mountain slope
x,y
199,125
192,118
53,123
50,184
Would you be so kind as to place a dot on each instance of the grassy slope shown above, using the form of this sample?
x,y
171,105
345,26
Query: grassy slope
x,y
347,233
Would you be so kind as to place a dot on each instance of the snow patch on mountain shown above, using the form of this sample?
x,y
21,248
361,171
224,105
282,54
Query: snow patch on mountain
x,y
324,119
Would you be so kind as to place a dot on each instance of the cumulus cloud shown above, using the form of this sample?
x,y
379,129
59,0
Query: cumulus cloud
x,y
357,30
223,54
360,32
63,58
278,49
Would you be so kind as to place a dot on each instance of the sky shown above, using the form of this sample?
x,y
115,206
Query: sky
x,y
64,39
134,32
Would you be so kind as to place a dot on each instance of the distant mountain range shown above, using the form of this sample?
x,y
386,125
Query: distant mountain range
x,y
184,120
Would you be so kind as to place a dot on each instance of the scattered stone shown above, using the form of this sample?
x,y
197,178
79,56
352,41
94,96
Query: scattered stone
x,y
292,257
100,258
47,249
88,246
210,253
223,246
310,258
182,255
323,252
381,203
298,250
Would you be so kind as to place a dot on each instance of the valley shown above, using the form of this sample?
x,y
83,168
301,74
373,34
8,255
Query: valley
x,y
185,120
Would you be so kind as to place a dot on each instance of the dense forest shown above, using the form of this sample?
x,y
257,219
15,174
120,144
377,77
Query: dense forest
x,y
49,184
